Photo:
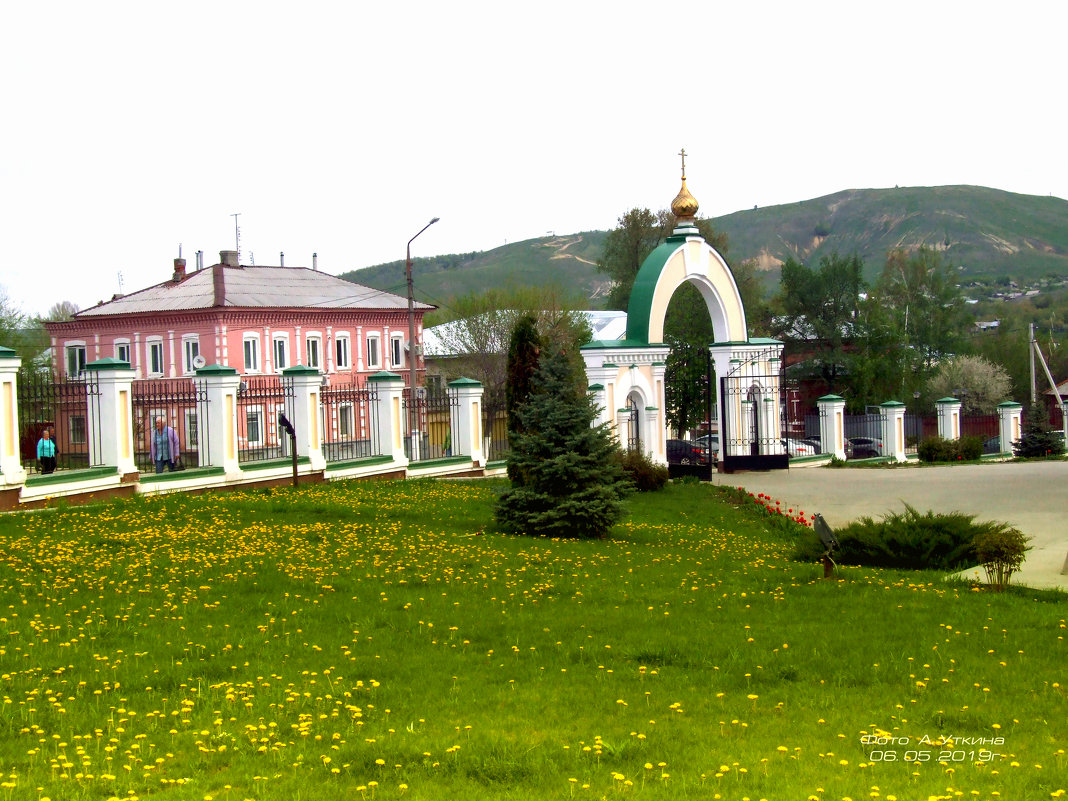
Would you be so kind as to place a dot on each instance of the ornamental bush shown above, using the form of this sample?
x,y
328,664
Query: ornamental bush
x,y
910,540
1000,552
645,474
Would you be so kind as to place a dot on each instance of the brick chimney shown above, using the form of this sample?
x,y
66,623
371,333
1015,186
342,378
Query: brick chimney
x,y
179,270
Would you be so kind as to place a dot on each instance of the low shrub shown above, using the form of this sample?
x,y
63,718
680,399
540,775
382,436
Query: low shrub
x,y
645,474
910,540
1000,552
936,449
970,448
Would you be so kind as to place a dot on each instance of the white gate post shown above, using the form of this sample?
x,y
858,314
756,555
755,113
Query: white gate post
x,y
114,379
1009,427
220,386
948,418
390,388
893,414
832,425
307,384
11,471
466,420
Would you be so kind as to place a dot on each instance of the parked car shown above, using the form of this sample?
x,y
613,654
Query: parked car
x,y
992,445
711,445
863,447
681,451
797,447
814,443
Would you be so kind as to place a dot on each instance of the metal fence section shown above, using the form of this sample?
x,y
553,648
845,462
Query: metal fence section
x,y
183,405
428,426
349,422
260,400
69,410
494,425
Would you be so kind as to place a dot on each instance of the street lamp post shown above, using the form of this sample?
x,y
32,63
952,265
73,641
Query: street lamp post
x,y
413,428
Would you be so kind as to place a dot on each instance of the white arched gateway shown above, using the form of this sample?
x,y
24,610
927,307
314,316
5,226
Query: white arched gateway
x,y
627,376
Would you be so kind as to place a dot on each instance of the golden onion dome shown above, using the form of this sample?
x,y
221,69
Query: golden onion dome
x,y
684,206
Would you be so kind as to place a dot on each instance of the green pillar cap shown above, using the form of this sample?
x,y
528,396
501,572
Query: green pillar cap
x,y
385,375
465,382
1009,405
948,400
300,369
108,363
891,404
7,353
216,369
596,387
830,398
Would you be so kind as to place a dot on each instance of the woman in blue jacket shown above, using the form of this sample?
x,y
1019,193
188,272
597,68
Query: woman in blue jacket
x,y
46,452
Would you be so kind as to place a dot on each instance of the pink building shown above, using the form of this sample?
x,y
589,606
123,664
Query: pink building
x,y
257,320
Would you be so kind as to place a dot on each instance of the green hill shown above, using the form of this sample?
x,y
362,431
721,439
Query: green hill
x,y
987,232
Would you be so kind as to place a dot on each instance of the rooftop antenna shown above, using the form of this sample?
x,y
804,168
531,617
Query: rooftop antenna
x,y
237,236
179,250
120,282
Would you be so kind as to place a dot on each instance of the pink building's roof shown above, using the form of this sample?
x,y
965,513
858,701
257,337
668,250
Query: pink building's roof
x,y
252,287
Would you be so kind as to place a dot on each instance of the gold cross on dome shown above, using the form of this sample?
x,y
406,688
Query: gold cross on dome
x,y
683,154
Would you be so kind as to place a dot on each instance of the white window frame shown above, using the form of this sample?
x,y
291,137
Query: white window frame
x,y
257,414
250,352
152,343
78,429
374,363
190,424
318,340
283,341
346,421
189,341
342,347
120,346
73,348
396,350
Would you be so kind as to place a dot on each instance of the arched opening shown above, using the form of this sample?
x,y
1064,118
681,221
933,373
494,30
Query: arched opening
x,y
634,434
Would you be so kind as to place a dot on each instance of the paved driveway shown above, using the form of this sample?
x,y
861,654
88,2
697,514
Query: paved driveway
x,y
1033,496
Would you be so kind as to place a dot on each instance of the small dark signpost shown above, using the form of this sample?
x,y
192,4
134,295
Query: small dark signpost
x,y
288,426
830,542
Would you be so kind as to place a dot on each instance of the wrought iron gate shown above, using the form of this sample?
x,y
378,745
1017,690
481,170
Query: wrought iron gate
x,y
753,415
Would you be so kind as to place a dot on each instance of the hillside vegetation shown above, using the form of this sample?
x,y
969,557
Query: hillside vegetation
x,y
988,232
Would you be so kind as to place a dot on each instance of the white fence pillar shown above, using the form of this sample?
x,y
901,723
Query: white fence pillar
x,y
832,425
893,423
948,418
307,384
114,379
1009,425
220,385
390,388
11,472
466,420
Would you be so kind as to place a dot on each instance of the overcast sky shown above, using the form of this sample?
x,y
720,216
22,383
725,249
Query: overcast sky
x,y
343,127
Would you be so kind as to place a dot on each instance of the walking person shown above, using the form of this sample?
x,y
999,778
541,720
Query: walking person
x,y
164,446
46,453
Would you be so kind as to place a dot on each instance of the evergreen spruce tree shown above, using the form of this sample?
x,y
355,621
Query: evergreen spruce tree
x,y
523,353
1038,439
566,479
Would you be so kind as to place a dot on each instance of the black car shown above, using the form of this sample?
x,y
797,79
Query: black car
x,y
680,451
863,447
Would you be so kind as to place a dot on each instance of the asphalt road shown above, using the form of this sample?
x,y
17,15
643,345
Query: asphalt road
x,y
1033,496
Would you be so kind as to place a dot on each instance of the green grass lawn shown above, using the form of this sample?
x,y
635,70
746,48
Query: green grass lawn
x,y
377,640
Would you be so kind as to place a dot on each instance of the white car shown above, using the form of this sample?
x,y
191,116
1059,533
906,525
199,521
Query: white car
x,y
796,447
